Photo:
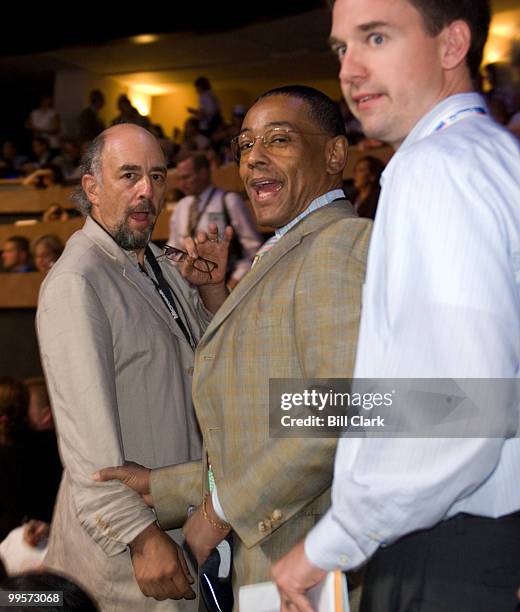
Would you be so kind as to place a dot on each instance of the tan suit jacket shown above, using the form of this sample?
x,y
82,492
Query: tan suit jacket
x,y
295,315
119,375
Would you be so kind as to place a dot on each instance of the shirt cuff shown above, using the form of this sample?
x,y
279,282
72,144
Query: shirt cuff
x,y
216,505
330,547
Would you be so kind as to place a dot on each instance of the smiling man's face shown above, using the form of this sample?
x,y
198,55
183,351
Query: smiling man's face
x,y
281,181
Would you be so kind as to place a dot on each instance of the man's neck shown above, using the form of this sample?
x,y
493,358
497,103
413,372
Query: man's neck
x,y
138,252
203,190
457,83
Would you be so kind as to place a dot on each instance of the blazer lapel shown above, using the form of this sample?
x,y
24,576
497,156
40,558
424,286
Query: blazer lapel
x,y
309,224
131,274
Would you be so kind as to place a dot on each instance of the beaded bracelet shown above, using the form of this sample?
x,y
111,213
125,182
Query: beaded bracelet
x,y
222,526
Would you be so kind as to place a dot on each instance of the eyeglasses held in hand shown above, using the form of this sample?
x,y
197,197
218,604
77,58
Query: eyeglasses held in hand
x,y
177,255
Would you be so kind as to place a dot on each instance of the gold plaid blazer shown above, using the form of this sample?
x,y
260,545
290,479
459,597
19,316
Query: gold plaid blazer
x,y
294,315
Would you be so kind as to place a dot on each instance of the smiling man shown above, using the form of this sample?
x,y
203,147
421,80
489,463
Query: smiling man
x,y
294,315
117,329
439,518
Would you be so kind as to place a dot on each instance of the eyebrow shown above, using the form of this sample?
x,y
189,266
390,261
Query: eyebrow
x,y
286,124
162,169
372,25
136,168
364,27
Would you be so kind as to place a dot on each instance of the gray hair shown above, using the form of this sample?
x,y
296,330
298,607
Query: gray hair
x,y
90,164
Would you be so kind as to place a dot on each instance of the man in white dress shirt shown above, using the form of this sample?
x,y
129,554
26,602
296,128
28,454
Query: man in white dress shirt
x,y
205,204
439,518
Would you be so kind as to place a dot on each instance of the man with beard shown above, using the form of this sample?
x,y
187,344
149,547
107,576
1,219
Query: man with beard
x,y
117,327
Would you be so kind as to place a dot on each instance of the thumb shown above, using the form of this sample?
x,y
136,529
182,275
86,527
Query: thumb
x,y
110,473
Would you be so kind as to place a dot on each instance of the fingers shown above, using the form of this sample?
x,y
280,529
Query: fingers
x,y
212,232
295,603
191,246
172,580
182,578
41,531
228,234
34,531
132,475
112,473
185,568
28,532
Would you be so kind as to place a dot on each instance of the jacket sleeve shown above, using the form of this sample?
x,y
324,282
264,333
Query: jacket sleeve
x,y
76,347
173,489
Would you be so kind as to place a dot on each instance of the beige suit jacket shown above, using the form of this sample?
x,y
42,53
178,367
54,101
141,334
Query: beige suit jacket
x,y
295,315
119,375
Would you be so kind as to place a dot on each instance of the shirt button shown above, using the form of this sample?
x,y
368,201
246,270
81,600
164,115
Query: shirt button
x,y
343,559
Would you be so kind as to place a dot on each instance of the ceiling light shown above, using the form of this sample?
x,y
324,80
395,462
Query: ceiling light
x,y
145,39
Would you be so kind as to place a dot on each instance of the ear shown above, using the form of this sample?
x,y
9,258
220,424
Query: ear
x,y
91,187
336,154
456,40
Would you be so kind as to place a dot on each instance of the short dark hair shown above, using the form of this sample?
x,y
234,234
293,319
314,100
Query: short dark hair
x,y
202,83
96,95
438,14
322,109
200,161
74,597
42,140
375,165
90,164
52,242
14,403
21,242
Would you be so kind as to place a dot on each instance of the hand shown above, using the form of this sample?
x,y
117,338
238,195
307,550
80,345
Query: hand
x,y
133,475
208,246
294,574
201,536
160,568
35,531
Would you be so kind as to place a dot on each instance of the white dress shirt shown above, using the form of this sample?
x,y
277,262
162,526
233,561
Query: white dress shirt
x,y
441,300
211,208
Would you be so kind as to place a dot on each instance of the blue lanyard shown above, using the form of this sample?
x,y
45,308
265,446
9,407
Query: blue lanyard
x,y
471,110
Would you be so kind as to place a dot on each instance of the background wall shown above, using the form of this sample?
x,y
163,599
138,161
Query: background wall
x,y
170,109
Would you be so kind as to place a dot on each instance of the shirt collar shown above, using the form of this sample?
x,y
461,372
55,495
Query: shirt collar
x,y
441,112
205,194
319,202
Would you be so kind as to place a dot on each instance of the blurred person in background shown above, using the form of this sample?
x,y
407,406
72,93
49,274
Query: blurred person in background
x,y
367,173
46,250
14,401
129,114
55,212
44,122
90,123
16,255
208,113
68,161
11,164
205,204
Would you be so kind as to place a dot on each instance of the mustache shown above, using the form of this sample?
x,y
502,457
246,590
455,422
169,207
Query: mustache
x,y
145,206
